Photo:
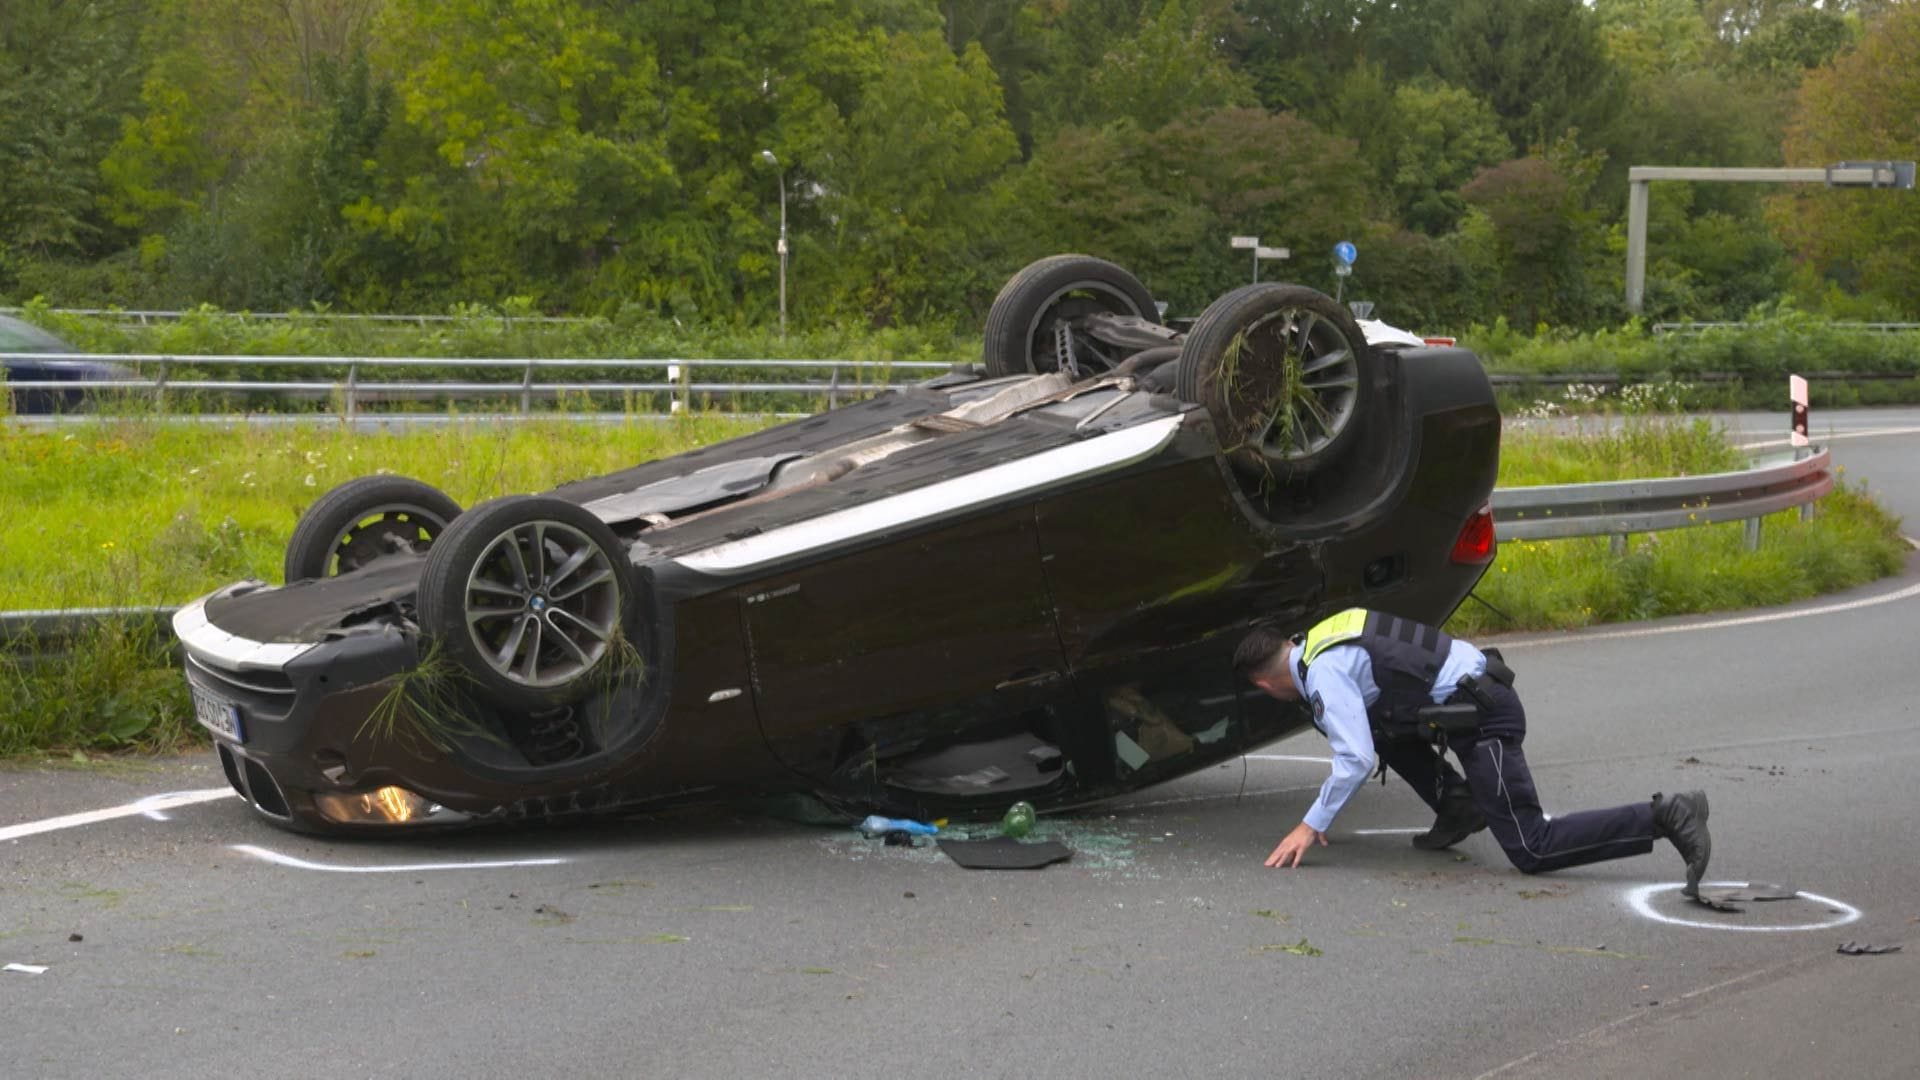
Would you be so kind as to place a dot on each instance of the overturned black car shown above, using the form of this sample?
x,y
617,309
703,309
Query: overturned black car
x,y
1022,580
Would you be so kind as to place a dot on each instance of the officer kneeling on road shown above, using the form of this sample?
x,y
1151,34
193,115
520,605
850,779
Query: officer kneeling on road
x,y
1391,687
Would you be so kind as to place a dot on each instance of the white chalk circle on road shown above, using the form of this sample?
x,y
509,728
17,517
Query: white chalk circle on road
x,y
1837,913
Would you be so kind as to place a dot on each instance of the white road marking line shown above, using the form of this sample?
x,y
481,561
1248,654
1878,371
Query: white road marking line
x,y
1389,832
279,859
1639,899
1577,638
147,806
1288,757
1870,433
153,805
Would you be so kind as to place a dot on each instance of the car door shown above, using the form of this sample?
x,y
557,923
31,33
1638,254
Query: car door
x,y
923,637
1153,575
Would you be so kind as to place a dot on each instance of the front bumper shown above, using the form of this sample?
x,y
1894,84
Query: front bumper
x,y
285,716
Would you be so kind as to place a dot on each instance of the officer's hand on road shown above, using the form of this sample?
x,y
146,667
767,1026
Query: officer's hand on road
x,y
1294,848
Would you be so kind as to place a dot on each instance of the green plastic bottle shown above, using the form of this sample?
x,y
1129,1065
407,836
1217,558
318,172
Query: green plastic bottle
x,y
1019,820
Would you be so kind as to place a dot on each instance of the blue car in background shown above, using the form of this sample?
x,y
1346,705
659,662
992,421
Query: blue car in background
x,y
17,337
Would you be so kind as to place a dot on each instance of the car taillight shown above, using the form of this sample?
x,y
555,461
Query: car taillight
x,y
1475,543
1447,341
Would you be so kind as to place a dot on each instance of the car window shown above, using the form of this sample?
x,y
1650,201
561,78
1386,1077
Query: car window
x,y
17,336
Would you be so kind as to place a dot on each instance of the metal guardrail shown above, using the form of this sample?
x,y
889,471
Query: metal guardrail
x,y
677,380
523,383
149,317
1557,511
1697,327
1618,507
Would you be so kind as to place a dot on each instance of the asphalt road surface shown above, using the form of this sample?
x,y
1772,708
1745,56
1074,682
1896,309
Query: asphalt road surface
x,y
727,944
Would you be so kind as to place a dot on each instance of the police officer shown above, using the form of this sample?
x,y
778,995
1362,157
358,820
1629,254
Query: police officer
x,y
1372,680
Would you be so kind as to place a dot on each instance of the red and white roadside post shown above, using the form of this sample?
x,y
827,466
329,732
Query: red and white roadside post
x,y
1797,397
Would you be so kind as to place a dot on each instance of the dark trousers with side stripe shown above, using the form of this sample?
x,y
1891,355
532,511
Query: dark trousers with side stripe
x,y
1502,787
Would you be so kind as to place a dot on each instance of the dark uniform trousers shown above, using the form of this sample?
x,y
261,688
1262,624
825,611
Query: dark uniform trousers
x,y
1502,788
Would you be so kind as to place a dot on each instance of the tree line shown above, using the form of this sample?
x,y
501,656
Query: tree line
x,y
596,156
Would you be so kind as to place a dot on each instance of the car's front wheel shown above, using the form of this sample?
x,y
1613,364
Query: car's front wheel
x,y
1285,373
364,519
529,596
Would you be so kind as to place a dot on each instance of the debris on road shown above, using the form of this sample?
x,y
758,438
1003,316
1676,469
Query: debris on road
x,y
28,969
1850,948
1299,948
1005,853
1718,900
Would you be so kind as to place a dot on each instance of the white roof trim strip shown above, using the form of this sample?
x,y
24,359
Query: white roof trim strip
x,y
1025,475
231,651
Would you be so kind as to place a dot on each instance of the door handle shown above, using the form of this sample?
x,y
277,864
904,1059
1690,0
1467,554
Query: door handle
x,y
1027,677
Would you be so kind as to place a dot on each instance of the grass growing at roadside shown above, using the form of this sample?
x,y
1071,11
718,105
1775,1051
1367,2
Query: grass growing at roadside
x,y
1563,584
113,688
136,513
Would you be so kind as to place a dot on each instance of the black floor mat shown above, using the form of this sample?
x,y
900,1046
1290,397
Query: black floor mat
x,y
1005,853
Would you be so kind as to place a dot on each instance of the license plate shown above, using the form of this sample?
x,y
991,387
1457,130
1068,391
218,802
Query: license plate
x,y
216,715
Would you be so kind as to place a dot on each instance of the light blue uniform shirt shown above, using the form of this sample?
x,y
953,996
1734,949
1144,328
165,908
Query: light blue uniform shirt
x,y
1342,678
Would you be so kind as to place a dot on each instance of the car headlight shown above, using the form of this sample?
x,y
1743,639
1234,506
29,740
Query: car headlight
x,y
383,806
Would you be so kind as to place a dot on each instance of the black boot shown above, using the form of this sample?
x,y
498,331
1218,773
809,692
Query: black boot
x,y
1682,819
1457,820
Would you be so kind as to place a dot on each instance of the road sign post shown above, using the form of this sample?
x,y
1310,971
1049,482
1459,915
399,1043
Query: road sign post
x,y
1248,243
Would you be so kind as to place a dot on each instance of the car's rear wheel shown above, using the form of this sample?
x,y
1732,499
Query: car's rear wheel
x,y
1038,322
364,519
1285,373
529,595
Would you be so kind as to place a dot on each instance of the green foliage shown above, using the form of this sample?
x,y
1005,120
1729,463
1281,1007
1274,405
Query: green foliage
x,y
1541,64
1533,230
1650,38
1170,67
67,75
1162,203
112,688
1441,138
1867,241
601,158
1776,342
908,226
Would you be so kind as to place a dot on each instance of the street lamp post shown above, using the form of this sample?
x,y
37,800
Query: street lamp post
x,y
781,245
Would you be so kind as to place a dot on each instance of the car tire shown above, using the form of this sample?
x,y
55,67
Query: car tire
x,y
1286,375
1022,321
530,596
364,519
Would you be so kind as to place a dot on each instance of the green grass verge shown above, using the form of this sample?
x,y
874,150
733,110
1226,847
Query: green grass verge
x,y
1565,584
135,513
130,513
